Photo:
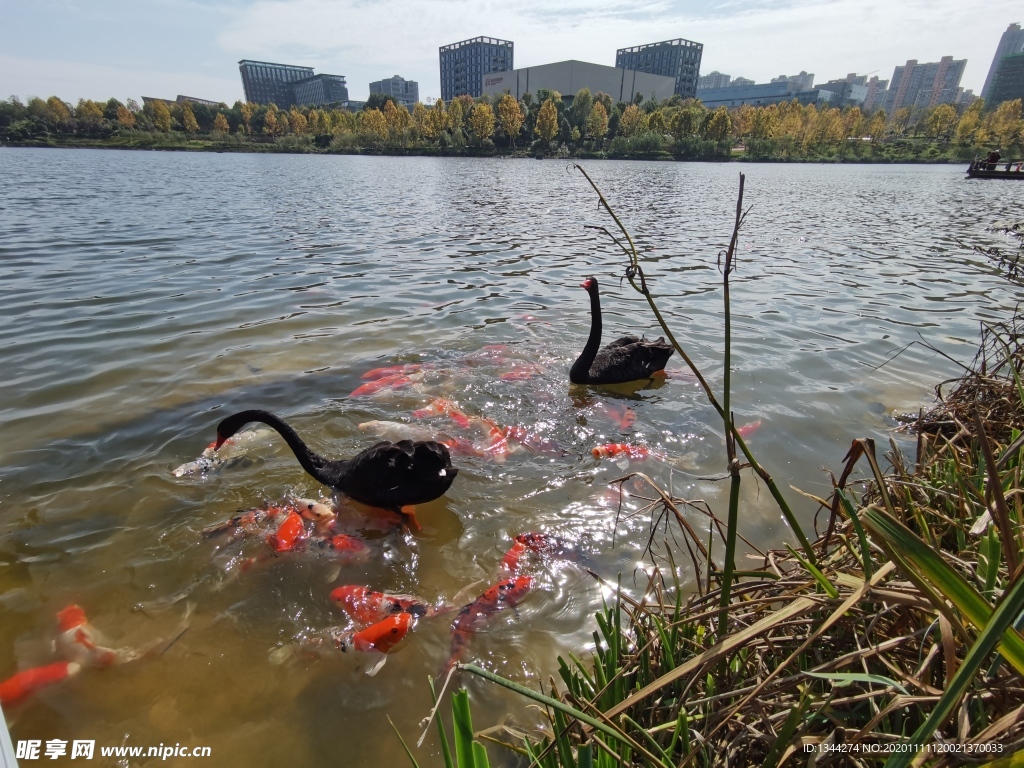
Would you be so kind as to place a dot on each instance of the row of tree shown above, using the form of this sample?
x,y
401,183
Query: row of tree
x,y
588,121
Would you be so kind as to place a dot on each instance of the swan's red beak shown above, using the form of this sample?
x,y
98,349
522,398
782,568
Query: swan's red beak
x,y
220,441
586,284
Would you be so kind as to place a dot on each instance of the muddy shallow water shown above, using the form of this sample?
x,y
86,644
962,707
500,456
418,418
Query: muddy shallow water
x,y
147,295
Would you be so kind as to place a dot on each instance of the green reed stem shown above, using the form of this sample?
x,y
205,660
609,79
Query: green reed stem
x,y
761,472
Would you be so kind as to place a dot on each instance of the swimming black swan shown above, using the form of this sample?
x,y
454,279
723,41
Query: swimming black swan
x,y
388,475
627,359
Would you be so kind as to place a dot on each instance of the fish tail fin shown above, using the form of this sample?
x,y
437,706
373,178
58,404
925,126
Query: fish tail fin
x,y
378,662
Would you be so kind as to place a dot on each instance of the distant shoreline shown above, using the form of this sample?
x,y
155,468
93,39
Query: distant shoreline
x,y
524,153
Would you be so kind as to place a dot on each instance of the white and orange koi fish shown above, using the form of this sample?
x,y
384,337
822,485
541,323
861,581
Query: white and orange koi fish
x,y
231,452
79,642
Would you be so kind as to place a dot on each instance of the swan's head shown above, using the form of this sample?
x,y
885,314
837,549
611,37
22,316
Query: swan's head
x,y
590,284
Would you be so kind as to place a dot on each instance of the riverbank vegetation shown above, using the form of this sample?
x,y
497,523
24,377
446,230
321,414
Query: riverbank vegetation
x,y
540,124
894,637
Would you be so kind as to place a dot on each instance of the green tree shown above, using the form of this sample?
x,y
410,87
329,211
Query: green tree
x,y
482,121
88,113
457,114
656,121
511,117
547,121
582,104
377,101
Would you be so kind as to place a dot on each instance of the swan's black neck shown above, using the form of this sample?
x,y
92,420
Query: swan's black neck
x,y
323,470
580,370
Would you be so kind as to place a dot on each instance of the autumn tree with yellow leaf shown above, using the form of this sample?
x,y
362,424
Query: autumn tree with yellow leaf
x,y
511,117
482,121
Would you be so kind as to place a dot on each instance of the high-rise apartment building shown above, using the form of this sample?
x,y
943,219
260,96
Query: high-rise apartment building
x,y
464,64
1011,42
678,59
876,93
403,91
924,85
713,80
796,83
287,86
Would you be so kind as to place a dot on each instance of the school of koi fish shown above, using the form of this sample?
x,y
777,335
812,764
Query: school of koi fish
x,y
376,622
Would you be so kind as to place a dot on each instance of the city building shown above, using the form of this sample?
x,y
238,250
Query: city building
x,y
1008,82
1011,42
924,85
193,100
876,93
464,64
287,86
401,90
568,77
844,93
757,95
678,59
802,82
713,80
738,81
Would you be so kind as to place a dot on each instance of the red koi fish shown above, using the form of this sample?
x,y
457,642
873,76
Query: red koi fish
x,y
629,450
78,641
394,370
344,547
289,533
521,372
394,381
440,406
624,418
541,544
506,593
380,639
749,429
366,607
496,445
22,685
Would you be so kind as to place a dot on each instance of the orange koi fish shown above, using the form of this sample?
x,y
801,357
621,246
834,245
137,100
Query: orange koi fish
x,y
22,685
366,607
394,370
379,639
629,450
541,544
440,406
394,381
78,641
749,429
289,533
343,546
624,418
521,372
506,593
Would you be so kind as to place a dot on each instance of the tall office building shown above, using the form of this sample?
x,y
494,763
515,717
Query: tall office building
x,y
924,85
287,86
464,64
1011,42
266,83
678,59
1008,81
403,91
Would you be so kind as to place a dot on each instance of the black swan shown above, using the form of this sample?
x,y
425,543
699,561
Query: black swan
x,y
387,475
626,359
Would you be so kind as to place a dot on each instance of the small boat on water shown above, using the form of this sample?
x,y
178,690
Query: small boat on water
x,y
982,169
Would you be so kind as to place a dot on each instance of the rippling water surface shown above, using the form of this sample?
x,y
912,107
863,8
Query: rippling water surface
x,y
147,295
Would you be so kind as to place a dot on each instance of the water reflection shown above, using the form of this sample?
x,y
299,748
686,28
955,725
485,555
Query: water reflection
x,y
147,295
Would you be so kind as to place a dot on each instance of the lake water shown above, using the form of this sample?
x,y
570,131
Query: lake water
x,y
146,295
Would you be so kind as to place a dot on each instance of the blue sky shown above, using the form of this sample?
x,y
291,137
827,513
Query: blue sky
x,y
101,48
